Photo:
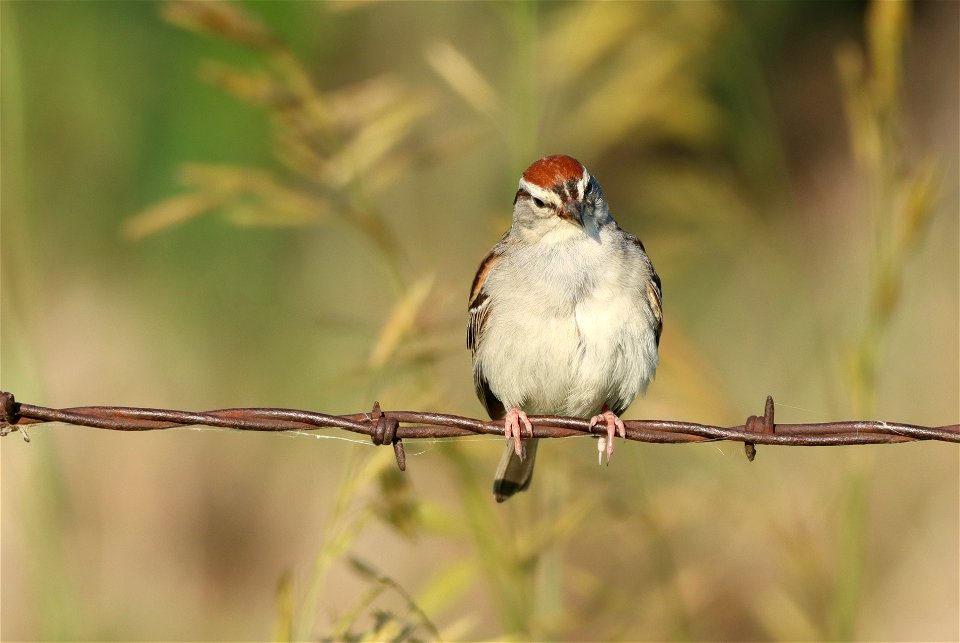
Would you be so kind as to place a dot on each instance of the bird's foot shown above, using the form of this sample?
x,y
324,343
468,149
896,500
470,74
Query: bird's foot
x,y
512,429
615,426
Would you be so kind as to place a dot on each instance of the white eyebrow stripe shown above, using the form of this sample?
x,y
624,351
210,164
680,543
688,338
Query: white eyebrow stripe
x,y
582,183
547,196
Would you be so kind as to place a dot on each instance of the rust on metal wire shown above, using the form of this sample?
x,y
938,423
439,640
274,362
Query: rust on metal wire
x,y
391,427
758,424
385,432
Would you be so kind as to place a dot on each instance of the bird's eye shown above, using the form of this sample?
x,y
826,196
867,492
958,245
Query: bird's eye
x,y
538,202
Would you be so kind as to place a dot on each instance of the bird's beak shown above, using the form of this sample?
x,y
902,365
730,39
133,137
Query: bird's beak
x,y
573,211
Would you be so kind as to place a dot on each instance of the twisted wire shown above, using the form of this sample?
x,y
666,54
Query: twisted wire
x,y
391,427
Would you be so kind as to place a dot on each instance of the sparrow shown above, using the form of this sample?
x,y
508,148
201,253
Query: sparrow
x,y
564,315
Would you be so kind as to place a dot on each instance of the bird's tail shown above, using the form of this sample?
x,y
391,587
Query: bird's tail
x,y
513,474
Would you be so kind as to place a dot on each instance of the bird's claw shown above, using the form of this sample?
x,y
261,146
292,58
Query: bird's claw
x,y
512,429
615,426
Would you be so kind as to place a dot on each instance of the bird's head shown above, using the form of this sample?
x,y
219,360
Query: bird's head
x,y
558,200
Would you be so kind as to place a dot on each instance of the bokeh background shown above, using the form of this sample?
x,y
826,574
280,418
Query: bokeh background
x,y
283,204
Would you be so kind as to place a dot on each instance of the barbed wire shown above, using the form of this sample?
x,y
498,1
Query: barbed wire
x,y
391,427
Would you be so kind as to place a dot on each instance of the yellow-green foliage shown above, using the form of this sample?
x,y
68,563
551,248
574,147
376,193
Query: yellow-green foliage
x,y
216,204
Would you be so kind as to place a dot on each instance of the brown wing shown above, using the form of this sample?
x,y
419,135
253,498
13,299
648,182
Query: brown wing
x,y
655,298
654,289
479,305
479,309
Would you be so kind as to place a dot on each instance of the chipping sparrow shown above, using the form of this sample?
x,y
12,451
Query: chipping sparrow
x,y
565,315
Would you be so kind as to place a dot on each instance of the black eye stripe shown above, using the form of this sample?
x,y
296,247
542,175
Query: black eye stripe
x,y
587,190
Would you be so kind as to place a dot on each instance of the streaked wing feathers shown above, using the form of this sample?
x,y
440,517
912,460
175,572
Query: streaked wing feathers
x,y
655,298
479,309
654,292
479,304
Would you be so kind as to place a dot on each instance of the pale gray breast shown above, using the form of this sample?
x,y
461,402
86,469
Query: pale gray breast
x,y
617,353
567,335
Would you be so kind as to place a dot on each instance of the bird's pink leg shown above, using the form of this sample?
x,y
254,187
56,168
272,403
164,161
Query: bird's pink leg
x,y
614,424
511,429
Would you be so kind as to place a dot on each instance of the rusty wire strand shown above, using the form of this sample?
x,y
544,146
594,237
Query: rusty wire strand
x,y
390,427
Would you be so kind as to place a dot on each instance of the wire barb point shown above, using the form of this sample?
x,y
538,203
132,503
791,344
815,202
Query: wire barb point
x,y
10,415
385,432
757,424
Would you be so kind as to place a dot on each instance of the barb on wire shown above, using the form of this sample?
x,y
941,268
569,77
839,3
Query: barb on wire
x,y
391,427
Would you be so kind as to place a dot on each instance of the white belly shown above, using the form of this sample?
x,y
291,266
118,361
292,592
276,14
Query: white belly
x,y
568,349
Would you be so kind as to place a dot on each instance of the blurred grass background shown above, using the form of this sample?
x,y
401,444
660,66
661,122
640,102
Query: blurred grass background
x,y
283,204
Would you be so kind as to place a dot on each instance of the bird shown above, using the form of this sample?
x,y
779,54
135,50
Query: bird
x,y
565,315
